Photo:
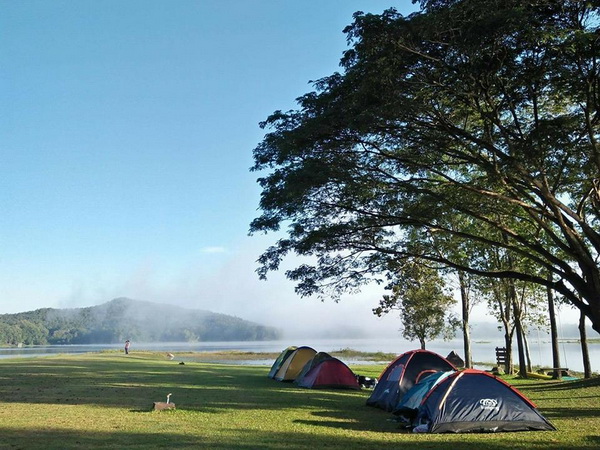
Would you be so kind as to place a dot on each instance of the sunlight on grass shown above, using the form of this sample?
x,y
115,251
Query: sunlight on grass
x,y
105,400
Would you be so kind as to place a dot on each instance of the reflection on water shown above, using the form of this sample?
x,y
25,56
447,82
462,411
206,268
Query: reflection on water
x,y
483,351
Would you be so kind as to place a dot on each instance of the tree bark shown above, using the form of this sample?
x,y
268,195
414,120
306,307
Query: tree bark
x,y
520,349
519,329
587,367
505,315
508,365
527,352
464,296
556,374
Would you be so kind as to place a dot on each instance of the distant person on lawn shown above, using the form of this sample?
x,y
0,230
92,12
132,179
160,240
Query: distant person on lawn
x,y
127,347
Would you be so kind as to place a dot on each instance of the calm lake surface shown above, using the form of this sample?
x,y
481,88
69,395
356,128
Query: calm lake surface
x,y
483,351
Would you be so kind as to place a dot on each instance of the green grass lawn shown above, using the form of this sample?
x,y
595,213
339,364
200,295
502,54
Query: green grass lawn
x,y
105,400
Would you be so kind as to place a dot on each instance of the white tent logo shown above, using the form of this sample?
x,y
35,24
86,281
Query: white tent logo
x,y
488,403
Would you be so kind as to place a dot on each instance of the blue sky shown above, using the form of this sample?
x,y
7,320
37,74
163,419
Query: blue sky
x,y
126,137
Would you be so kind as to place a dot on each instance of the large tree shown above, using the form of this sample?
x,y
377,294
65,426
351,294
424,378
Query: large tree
x,y
482,113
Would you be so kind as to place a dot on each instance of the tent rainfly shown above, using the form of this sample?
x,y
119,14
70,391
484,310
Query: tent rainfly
x,y
320,356
408,406
476,401
329,373
280,360
402,373
294,363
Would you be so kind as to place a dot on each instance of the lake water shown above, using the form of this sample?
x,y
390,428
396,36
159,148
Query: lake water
x,y
483,351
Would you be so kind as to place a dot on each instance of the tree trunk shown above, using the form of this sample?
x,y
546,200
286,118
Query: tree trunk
x,y
505,317
464,296
520,349
508,365
422,341
587,367
519,329
556,374
527,352
510,294
508,335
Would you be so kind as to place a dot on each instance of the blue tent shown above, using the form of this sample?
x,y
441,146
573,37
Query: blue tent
x,y
410,402
475,401
402,373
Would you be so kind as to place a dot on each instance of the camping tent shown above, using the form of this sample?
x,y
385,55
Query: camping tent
x,y
280,360
476,401
320,356
294,363
402,373
408,405
329,373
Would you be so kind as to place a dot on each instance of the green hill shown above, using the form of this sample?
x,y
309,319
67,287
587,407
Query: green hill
x,y
123,318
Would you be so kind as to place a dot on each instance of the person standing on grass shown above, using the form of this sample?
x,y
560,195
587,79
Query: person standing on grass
x,y
127,347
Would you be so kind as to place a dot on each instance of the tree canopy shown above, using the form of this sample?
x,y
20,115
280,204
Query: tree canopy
x,y
469,125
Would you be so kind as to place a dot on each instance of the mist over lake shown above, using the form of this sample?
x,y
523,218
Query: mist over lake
x,y
483,350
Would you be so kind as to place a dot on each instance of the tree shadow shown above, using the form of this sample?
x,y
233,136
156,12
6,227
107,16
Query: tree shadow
x,y
556,385
114,382
212,389
250,439
556,413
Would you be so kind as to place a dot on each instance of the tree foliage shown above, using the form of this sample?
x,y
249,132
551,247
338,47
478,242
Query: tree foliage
x,y
472,123
418,294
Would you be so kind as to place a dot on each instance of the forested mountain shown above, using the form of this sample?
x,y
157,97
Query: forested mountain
x,y
124,318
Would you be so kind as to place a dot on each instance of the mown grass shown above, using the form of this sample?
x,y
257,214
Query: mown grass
x,y
105,401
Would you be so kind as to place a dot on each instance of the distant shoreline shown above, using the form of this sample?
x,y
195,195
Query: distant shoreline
x,y
348,350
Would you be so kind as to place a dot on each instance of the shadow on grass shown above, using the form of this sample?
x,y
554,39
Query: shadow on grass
x,y
136,384
572,413
562,385
370,420
552,394
247,439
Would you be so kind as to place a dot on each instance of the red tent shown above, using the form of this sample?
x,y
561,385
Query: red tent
x,y
329,373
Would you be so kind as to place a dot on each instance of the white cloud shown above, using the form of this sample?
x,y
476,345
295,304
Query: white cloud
x,y
213,249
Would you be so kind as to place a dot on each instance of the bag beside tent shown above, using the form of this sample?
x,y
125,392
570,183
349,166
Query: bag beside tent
x,y
402,373
280,360
294,363
329,373
476,401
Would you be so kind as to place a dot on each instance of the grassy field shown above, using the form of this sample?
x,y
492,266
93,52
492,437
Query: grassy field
x,y
105,401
